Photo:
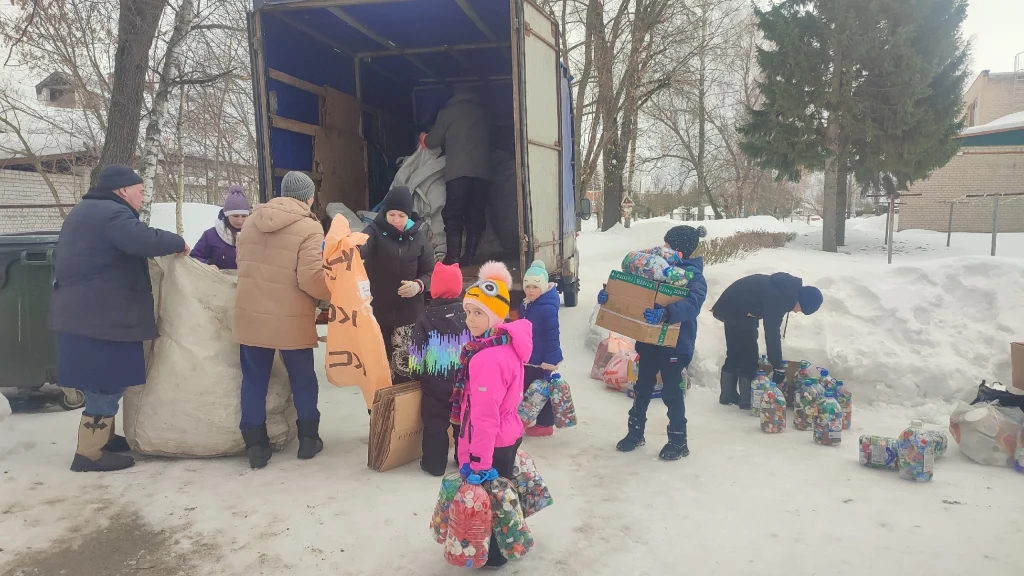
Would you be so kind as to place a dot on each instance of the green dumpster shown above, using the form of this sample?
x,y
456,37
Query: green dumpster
x,y
28,352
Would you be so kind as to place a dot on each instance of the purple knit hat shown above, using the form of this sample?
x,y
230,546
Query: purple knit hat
x,y
236,204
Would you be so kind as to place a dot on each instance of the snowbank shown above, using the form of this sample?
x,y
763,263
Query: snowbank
x,y
927,328
10,443
196,218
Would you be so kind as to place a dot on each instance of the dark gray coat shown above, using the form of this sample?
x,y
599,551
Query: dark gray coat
x,y
101,286
463,128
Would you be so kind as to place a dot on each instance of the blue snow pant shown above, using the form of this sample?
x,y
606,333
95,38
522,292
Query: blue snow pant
x,y
256,365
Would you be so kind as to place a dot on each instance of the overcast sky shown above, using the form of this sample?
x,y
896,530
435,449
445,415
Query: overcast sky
x,y
996,28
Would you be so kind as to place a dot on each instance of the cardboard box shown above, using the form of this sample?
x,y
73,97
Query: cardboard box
x,y
628,297
1017,362
396,428
639,330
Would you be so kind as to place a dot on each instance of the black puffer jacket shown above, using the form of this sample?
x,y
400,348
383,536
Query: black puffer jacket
x,y
437,340
392,256
761,297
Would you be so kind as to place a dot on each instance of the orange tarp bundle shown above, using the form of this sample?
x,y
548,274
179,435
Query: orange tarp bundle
x,y
355,348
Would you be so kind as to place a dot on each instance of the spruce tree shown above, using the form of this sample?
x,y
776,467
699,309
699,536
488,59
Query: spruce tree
x,y
872,87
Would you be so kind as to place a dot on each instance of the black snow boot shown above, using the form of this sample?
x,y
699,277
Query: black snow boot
x,y
469,256
676,447
453,245
257,446
729,394
635,437
744,389
310,443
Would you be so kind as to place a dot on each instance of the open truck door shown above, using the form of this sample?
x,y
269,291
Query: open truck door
x,y
343,88
549,205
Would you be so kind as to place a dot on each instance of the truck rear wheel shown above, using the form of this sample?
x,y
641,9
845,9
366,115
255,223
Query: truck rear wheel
x,y
571,293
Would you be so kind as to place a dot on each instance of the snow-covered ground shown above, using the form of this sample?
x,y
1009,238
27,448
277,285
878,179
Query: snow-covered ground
x,y
912,336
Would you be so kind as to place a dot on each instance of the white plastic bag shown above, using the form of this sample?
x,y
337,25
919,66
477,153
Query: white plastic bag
x,y
987,433
190,405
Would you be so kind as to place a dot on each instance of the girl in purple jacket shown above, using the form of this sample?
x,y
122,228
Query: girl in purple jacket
x,y
216,247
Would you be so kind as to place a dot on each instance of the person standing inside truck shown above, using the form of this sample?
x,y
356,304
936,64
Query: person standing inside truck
x,y
746,303
463,129
101,310
669,362
280,280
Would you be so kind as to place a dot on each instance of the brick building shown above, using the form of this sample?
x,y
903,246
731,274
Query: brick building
x,y
990,160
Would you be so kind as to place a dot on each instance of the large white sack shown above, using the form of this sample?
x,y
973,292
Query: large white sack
x,y
190,405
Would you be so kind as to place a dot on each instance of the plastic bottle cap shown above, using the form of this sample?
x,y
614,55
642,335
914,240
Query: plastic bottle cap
x,y
915,423
824,372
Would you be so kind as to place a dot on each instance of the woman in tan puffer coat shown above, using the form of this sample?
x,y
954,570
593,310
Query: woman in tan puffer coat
x,y
280,280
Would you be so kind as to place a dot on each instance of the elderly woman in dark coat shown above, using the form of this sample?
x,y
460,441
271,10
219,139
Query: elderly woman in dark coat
x,y
102,308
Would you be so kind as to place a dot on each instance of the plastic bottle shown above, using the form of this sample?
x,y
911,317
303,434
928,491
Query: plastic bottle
x,y
764,365
845,399
804,372
916,453
805,402
878,452
757,388
828,420
939,440
773,409
827,381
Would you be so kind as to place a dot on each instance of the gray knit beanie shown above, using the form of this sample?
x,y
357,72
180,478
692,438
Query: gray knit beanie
x,y
297,185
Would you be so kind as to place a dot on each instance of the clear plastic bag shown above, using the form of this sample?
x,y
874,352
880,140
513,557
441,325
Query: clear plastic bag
x,y
469,527
510,531
439,520
534,495
534,399
987,432
561,403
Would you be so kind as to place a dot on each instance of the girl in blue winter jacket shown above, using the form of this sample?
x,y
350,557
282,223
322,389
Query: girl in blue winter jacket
x,y
541,309
669,362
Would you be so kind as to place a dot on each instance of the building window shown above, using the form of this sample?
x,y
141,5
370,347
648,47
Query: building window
x,y
972,113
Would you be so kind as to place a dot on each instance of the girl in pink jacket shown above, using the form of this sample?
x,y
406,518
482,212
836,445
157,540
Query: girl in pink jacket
x,y
489,387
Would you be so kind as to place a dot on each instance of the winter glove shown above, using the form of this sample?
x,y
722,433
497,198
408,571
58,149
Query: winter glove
x,y
410,288
477,478
655,315
602,296
779,377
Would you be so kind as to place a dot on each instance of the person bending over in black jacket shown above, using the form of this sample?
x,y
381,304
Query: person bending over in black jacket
x,y
741,307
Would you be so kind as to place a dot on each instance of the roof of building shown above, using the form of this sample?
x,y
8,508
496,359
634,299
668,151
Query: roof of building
x,y
1005,131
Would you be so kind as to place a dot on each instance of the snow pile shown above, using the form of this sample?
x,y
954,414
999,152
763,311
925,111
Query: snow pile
x,y
196,218
10,444
908,334
1008,122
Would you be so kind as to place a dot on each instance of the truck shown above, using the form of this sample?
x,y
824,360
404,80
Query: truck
x,y
343,88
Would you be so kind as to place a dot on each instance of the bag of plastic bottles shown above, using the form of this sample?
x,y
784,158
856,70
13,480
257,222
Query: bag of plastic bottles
x,y
508,523
660,264
533,492
439,520
469,527
987,432
561,402
534,399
